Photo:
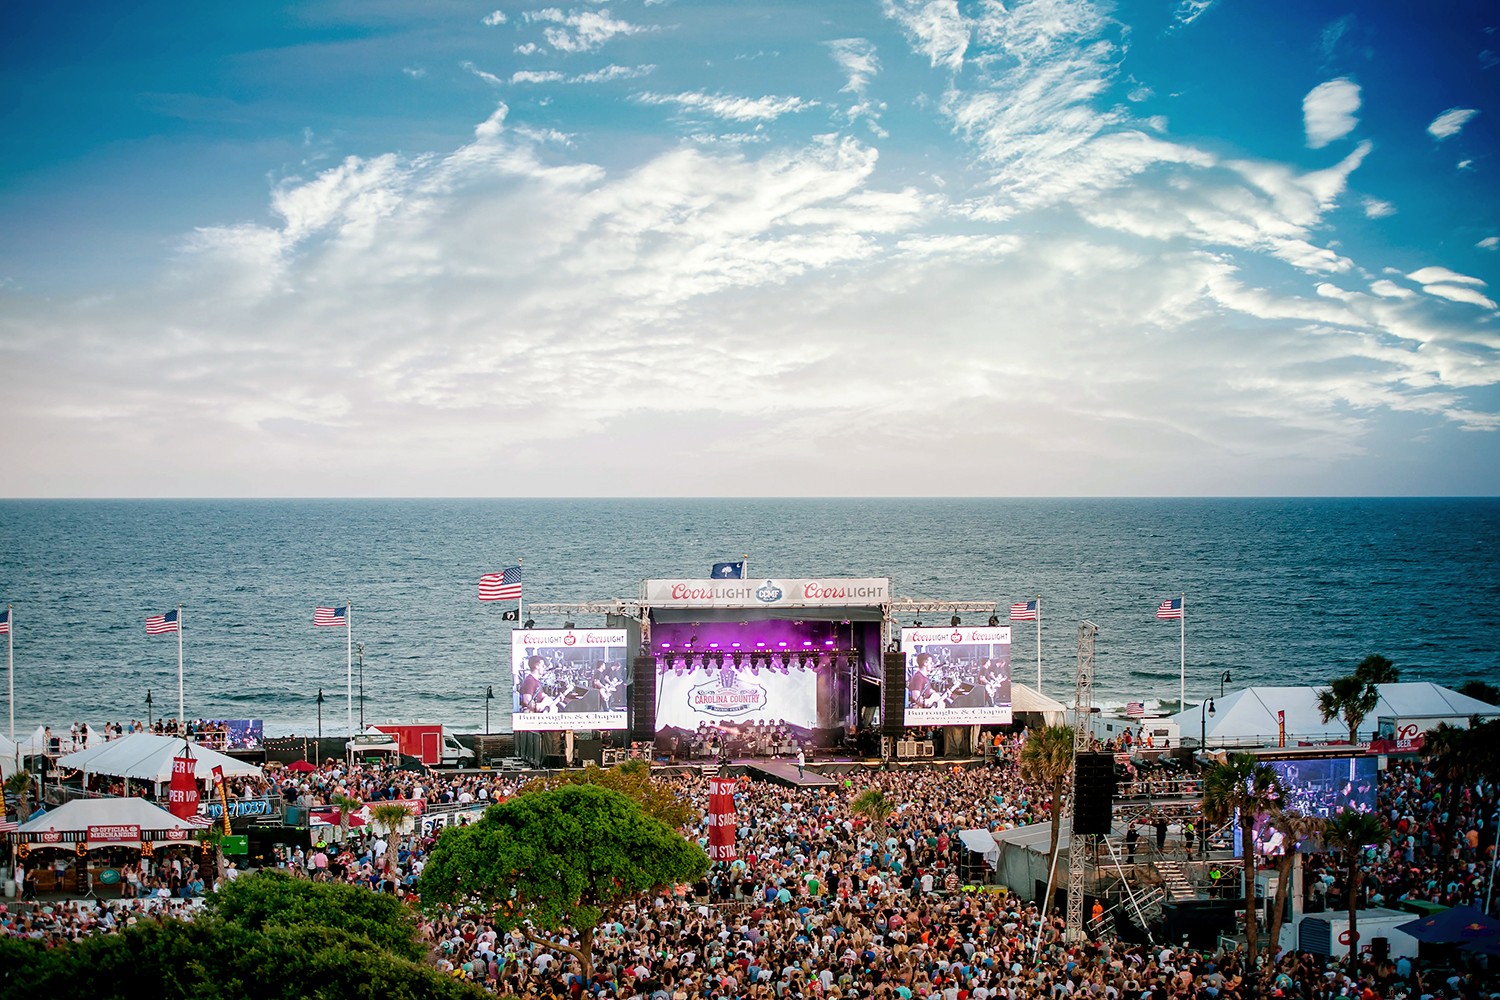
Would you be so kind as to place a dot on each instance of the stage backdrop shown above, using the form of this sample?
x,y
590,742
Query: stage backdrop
x,y
957,676
731,697
568,679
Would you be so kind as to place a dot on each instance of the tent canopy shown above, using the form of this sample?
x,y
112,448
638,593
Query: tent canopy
x,y
1248,717
148,757
1025,699
1461,923
77,815
982,843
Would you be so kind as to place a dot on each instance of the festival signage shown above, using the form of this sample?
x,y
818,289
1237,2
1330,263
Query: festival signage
x,y
114,834
763,593
728,696
182,793
568,679
720,819
957,676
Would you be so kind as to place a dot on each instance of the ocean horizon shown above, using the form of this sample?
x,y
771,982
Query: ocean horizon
x,y
1288,590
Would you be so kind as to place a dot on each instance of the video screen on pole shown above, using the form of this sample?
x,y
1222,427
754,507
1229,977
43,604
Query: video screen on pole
x,y
697,696
1319,787
957,676
565,679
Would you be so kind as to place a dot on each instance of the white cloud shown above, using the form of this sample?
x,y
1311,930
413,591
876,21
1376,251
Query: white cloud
x,y
1459,293
1329,111
415,72
742,109
1432,275
493,18
487,77
1189,11
528,49
613,72
1450,123
856,57
1488,243
580,31
1377,209
936,27
535,76
1390,290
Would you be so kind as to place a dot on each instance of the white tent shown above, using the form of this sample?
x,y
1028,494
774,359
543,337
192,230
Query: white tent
x,y
1248,717
982,842
148,757
1029,700
34,744
68,824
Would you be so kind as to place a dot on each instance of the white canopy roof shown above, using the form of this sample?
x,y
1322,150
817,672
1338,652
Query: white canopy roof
x,y
1025,699
148,757
77,815
1248,717
33,744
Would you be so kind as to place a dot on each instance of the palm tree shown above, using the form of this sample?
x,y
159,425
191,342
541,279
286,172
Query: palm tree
x,y
19,785
1295,828
390,820
1047,760
1376,669
213,836
1355,695
347,805
1349,833
876,809
1243,785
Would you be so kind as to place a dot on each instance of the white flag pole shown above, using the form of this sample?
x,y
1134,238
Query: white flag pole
x,y
349,663
521,599
1038,643
745,567
1182,638
181,713
10,664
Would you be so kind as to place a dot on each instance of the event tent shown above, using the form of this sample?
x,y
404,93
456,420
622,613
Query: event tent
x,y
34,744
70,823
1248,717
1025,700
148,757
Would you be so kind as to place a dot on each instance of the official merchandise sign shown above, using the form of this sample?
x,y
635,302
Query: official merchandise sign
x,y
568,679
763,593
957,676
114,834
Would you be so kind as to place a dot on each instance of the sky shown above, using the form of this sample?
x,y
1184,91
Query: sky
x,y
694,248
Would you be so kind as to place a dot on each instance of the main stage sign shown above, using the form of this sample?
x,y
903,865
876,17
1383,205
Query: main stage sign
x,y
763,593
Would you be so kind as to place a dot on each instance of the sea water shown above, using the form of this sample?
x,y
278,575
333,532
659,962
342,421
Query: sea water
x,y
1279,591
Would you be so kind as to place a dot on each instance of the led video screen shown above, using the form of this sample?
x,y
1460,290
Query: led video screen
x,y
957,676
691,695
1320,787
572,679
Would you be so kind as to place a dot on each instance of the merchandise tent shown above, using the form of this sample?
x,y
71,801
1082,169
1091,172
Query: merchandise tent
x,y
85,824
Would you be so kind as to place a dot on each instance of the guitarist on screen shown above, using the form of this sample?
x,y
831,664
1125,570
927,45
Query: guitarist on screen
x,y
530,692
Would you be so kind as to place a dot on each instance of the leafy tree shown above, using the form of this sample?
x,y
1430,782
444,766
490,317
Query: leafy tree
x,y
1376,669
1243,785
347,805
19,785
565,857
876,809
1349,833
213,836
1354,696
632,779
1464,754
266,936
1295,828
1483,690
390,820
1047,760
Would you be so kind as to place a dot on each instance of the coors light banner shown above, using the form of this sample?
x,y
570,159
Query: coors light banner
x,y
568,679
764,593
957,676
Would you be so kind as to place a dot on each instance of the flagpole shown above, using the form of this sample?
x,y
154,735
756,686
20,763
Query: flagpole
x,y
521,597
1182,638
10,665
349,663
181,714
745,566
1038,643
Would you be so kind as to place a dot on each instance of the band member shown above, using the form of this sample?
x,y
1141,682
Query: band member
x,y
608,679
919,685
529,691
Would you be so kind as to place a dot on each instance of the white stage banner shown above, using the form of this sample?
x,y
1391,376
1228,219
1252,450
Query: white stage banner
x,y
761,593
568,679
957,676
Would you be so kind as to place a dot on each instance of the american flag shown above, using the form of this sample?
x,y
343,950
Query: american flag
x,y
198,819
1023,611
1134,709
5,622
504,586
1170,609
161,624
336,617
9,826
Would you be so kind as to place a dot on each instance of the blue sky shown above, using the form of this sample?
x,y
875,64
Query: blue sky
x,y
1051,247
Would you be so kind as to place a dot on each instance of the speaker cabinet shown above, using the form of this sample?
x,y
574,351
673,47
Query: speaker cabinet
x,y
893,696
1093,793
643,699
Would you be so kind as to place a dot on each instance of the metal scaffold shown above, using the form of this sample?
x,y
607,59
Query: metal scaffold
x,y
1083,706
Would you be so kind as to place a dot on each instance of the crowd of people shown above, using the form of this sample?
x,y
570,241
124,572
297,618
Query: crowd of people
x,y
825,903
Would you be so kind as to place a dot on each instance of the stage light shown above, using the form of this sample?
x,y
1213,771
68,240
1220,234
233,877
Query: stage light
x,y
828,642
994,621
666,645
955,621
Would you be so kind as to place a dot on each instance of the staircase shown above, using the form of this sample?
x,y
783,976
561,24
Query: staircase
x,y
1175,880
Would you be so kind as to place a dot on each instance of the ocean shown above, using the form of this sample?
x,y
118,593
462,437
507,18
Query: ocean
x,y
1279,591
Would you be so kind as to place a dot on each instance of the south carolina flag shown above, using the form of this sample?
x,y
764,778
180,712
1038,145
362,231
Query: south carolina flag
x,y
729,570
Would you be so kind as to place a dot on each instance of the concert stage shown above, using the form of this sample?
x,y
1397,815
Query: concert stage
x,y
784,772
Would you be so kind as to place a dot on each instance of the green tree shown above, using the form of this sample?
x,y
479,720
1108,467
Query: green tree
x,y
1295,828
1483,690
19,785
565,857
1376,669
873,805
391,820
1349,833
213,837
347,805
632,779
1354,696
1047,760
1243,785
1460,753
274,899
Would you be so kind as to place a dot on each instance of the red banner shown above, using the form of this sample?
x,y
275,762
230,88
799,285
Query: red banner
x,y
182,794
720,818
